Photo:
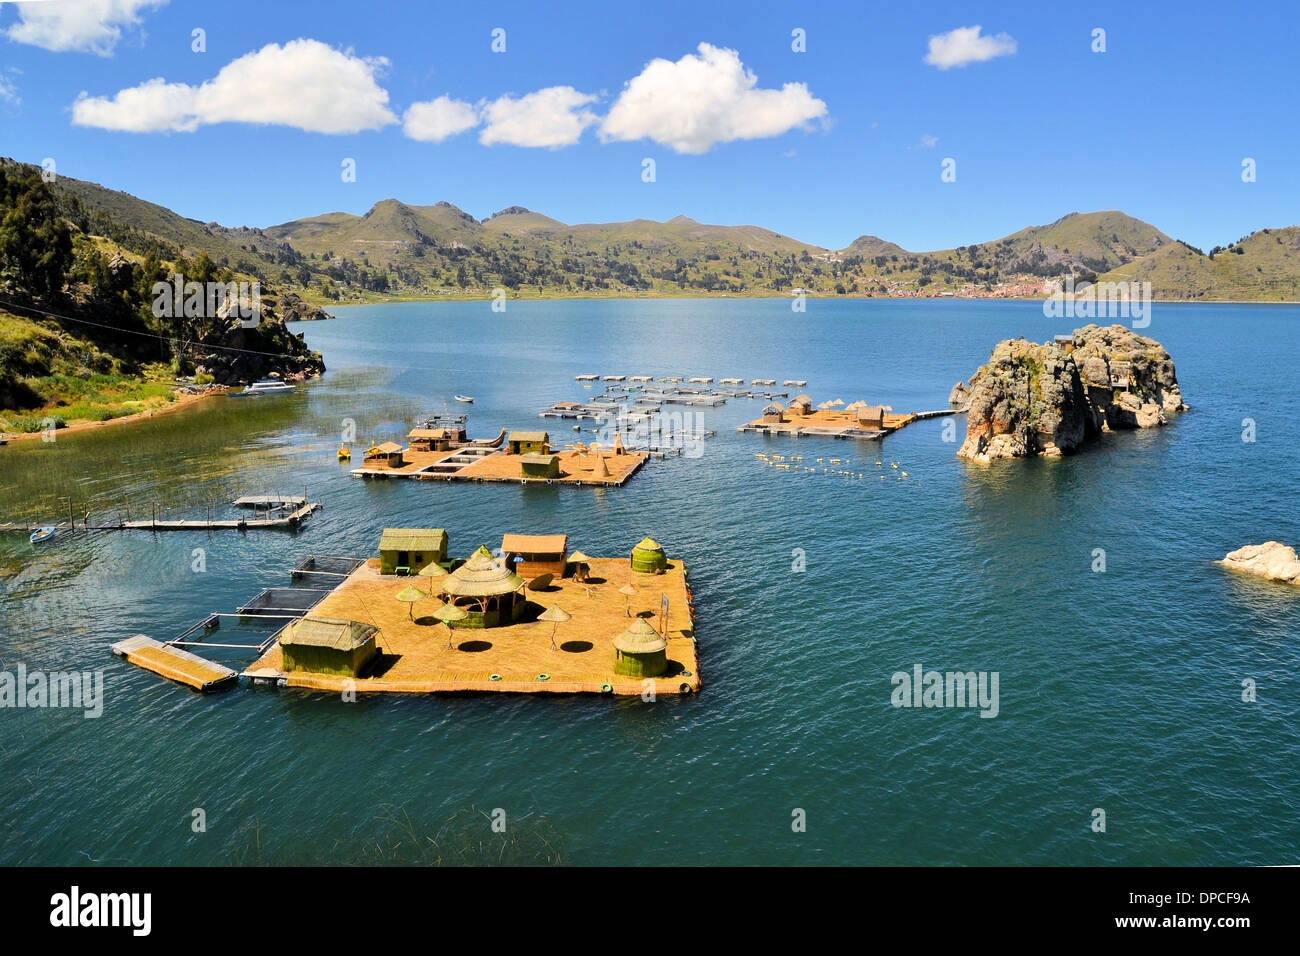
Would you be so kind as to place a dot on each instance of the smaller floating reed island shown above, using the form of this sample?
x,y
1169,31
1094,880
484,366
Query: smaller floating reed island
x,y
539,618
833,419
521,457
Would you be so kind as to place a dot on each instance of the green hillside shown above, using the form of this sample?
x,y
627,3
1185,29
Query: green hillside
x,y
1262,267
396,250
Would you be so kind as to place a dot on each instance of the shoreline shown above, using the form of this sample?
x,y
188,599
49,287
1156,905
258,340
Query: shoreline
x,y
412,300
84,425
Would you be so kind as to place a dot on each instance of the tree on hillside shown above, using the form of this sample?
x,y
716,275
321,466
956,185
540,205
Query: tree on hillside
x,y
35,243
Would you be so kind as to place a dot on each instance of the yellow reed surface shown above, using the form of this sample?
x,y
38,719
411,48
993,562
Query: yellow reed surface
x,y
415,658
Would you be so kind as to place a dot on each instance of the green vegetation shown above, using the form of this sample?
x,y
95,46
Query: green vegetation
x,y
1261,267
78,329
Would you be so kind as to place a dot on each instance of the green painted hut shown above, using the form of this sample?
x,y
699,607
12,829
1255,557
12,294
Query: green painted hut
x,y
648,557
409,550
640,651
539,466
488,591
529,443
326,645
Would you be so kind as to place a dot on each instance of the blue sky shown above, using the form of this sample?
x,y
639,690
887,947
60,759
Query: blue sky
x,y
1158,125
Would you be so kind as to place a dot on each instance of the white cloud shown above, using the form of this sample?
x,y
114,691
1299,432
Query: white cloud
x,y
705,99
929,142
435,120
88,26
966,45
9,93
304,84
552,117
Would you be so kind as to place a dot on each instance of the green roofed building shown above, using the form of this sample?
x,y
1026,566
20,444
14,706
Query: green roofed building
x,y
649,558
326,645
640,651
539,466
529,443
409,550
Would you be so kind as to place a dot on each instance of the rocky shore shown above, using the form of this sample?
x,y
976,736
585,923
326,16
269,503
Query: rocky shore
x,y
242,355
1272,560
1053,398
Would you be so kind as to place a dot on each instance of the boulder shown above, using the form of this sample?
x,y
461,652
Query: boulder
x,y
1272,560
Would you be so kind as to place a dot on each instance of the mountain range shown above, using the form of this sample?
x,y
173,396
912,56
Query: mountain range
x,y
400,250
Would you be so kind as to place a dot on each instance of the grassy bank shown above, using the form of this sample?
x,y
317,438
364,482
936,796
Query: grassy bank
x,y
49,373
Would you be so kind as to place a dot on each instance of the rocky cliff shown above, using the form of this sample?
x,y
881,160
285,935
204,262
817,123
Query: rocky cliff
x,y
1050,399
239,355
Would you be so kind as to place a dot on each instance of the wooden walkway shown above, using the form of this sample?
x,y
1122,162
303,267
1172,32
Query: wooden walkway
x,y
174,663
283,522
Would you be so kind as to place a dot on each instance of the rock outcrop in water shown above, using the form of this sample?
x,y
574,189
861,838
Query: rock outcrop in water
x,y
1272,560
294,309
1050,399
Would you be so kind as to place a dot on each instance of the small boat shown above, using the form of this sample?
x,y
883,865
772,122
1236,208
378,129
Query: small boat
x,y
41,534
264,386
345,454
467,399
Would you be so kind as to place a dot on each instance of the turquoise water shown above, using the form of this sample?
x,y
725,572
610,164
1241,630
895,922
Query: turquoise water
x,y
1119,690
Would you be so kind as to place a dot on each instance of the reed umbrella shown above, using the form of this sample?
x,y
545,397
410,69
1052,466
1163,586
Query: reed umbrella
x,y
432,570
628,590
557,615
410,594
449,614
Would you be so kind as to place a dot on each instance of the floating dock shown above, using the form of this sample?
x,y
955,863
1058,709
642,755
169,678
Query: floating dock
x,y
174,663
284,522
415,656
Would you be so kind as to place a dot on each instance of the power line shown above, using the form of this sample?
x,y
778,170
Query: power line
x,y
148,335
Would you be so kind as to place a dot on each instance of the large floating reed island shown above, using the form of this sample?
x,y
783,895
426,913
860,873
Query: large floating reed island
x,y
527,457
536,617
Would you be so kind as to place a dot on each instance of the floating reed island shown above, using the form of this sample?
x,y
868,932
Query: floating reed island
x,y
834,419
535,617
538,619
523,457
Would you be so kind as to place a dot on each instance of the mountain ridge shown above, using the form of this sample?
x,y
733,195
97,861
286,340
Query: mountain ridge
x,y
404,250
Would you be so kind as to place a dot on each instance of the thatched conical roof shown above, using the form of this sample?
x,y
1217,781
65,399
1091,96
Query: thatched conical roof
x,y
648,544
640,638
481,576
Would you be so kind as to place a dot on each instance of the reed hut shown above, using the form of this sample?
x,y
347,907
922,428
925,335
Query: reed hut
x,y
774,414
326,645
529,443
648,557
429,439
640,651
535,554
410,550
389,453
486,589
539,466
871,416
802,405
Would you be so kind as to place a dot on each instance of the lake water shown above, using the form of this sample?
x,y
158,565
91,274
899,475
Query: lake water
x,y
1119,690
